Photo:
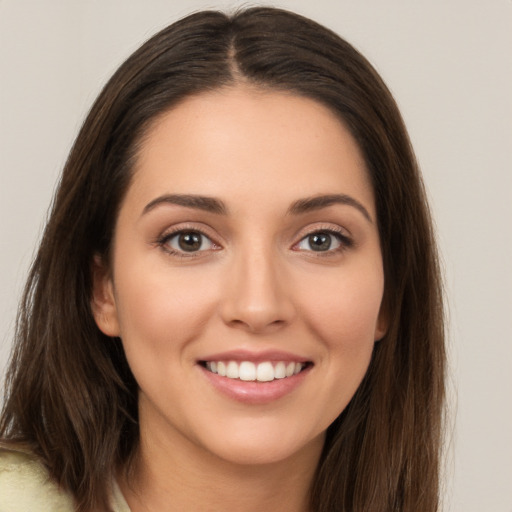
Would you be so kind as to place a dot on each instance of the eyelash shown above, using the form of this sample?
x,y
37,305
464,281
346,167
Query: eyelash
x,y
345,242
163,242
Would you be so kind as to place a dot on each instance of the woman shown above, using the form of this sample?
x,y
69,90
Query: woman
x,y
236,301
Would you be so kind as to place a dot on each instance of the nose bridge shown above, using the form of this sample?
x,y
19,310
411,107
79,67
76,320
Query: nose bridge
x,y
257,293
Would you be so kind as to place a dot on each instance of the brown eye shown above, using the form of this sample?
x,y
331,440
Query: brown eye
x,y
189,241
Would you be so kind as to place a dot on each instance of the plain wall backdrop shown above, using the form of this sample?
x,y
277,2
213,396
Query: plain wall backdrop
x,y
449,65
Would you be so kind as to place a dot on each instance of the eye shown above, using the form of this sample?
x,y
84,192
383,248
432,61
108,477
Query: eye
x,y
187,242
323,241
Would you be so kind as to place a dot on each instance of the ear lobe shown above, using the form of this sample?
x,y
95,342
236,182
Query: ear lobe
x,y
103,304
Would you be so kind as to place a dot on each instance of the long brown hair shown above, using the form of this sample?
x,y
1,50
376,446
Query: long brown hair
x,y
70,394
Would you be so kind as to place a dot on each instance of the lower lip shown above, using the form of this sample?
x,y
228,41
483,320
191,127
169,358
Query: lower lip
x,y
255,393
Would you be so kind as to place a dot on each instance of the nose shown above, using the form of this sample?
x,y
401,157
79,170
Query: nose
x,y
257,294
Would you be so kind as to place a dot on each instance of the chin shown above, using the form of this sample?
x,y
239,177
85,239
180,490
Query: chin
x,y
257,448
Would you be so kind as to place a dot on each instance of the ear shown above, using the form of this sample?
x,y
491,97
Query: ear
x,y
103,303
381,328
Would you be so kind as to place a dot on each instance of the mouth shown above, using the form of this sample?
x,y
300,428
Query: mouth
x,y
255,378
248,371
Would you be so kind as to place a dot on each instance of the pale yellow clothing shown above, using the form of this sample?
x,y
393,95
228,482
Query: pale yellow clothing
x,y
25,487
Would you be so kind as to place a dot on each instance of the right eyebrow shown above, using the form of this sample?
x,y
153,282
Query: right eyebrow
x,y
209,204
318,202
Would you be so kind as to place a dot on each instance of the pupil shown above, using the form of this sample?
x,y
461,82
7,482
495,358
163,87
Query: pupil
x,y
190,242
320,242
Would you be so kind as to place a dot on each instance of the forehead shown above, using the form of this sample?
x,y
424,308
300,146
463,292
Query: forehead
x,y
242,143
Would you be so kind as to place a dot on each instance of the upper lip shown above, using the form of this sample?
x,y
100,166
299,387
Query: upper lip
x,y
255,356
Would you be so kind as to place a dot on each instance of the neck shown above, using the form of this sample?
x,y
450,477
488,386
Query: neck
x,y
176,475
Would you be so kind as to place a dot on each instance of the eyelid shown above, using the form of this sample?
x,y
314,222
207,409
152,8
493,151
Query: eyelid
x,y
174,238
163,239
315,227
341,234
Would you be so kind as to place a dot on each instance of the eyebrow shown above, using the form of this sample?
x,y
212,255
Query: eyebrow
x,y
208,204
213,205
309,204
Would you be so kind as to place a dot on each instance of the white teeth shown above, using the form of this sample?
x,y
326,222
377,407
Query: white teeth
x,y
249,371
280,371
232,370
221,369
265,372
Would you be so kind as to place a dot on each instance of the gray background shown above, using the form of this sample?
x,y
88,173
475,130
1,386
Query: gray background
x,y
449,65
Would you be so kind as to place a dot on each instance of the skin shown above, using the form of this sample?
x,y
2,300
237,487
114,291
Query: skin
x,y
256,284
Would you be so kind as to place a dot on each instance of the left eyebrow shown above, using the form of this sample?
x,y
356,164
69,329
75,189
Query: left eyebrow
x,y
209,204
309,204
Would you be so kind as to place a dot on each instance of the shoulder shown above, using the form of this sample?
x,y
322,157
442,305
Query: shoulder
x,y
25,485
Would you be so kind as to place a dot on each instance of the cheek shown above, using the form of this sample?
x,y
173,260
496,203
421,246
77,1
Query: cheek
x,y
345,309
341,312
161,310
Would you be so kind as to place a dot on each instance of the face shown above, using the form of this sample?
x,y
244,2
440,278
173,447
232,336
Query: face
x,y
246,278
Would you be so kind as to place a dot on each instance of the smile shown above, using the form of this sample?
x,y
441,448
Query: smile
x,y
255,378
265,371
